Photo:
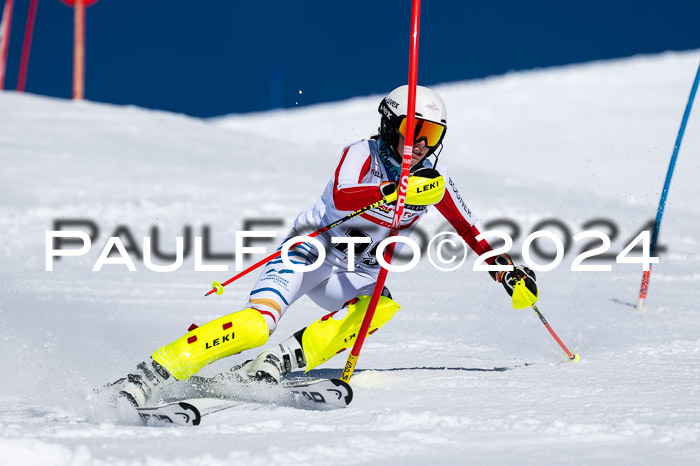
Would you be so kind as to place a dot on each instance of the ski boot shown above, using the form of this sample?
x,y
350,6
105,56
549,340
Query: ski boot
x,y
272,363
144,384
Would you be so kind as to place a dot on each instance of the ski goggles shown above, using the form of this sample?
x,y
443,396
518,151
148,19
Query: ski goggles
x,y
431,132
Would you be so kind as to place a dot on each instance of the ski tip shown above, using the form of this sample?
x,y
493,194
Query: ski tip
x,y
346,386
179,413
197,416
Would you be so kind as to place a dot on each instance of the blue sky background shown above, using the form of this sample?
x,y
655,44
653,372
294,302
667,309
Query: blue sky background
x,y
224,56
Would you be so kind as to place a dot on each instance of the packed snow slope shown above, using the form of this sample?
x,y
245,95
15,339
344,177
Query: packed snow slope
x,y
457,377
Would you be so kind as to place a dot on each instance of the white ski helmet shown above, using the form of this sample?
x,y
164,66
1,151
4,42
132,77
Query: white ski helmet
x,y
430,109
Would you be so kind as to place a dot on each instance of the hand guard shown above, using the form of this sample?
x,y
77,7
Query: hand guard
x,y
425,187
509,279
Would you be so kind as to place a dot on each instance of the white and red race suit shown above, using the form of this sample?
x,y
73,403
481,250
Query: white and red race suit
x,y
354,185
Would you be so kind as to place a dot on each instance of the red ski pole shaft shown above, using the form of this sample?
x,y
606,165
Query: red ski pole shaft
x,y
312,235
556,338
402,188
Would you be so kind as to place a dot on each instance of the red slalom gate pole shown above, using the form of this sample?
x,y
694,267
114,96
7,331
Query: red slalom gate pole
x,y
26,46
402,188
5,40
79,45
79,50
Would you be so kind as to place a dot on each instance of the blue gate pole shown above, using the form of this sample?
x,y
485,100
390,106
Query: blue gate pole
x,y
664,193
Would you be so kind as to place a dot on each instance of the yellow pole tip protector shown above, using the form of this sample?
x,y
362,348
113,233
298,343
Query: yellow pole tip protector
x,y
577,358
217,286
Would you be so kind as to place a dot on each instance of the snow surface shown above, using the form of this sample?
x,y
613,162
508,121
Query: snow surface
x,y
574,143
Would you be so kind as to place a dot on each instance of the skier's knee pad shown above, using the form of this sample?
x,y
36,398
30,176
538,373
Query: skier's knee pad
x,y
217,339
329,336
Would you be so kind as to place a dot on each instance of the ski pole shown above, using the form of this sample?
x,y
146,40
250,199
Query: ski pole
x,y
524,297
667,184
572,357
218,288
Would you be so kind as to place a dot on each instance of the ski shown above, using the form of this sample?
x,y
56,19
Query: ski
x,y
329,392
180,413
315,394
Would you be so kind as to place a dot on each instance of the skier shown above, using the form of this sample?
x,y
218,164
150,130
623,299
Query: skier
x,y
367,172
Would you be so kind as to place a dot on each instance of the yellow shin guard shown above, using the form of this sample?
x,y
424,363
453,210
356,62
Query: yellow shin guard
x,y
327,336
217,339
